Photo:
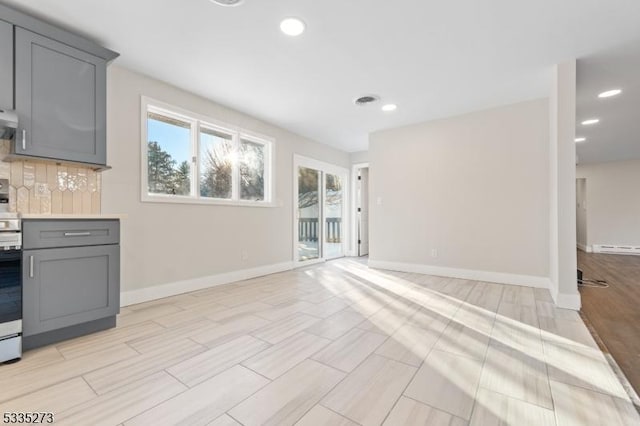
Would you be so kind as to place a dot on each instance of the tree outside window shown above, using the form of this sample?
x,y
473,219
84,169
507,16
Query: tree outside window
x,y
190,159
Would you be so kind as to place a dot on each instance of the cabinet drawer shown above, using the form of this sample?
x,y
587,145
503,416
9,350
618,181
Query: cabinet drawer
x,y
69,233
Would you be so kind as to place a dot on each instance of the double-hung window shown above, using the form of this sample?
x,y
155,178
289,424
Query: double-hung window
x,y
189,158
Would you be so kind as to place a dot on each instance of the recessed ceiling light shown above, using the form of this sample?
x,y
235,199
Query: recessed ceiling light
x,y
227,2
581,139
389,107
590,121
610,93
292,26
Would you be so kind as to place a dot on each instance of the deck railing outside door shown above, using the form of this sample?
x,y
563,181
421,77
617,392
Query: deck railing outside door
x,y
308,229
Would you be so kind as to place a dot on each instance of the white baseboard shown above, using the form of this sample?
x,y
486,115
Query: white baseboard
x,y
146,294
553,289
567,301
585,248
564,301
616,249
466,274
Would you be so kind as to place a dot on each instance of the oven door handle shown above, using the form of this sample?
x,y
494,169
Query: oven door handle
x,y
30,266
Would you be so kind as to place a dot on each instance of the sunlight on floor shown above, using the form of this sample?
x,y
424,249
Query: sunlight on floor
x,y
520,360
336,343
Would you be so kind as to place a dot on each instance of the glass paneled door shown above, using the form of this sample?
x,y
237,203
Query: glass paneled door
x,y
333,206
320,193
308,214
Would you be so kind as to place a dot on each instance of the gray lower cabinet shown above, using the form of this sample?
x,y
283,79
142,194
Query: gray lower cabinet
x,y
71,278
60,97
6,65
69,286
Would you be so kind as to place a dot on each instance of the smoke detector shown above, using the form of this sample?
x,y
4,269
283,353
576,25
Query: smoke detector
x,y
228,3
366,100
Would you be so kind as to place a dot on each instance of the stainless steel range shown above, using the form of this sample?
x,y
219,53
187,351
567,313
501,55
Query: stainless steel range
x,y
10,279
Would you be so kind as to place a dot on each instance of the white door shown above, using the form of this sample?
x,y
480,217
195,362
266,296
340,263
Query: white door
x,y
363,212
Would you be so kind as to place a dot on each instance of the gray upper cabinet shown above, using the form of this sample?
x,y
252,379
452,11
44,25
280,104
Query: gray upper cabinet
x,y
56,81
60,97
6,65
69,286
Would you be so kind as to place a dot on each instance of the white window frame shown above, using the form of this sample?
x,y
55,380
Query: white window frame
x,y
197,121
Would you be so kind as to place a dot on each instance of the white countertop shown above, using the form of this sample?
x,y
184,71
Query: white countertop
x,y
74,216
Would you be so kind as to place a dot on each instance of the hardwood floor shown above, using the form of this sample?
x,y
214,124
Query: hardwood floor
x,y
614,312
332,344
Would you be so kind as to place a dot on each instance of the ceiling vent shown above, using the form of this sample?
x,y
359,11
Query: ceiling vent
x,y
366,100
228,2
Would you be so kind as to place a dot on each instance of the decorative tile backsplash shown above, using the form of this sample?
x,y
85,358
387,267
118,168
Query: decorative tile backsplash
x,y
47,188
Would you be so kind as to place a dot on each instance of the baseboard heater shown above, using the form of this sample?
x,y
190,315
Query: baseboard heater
x,y
602,248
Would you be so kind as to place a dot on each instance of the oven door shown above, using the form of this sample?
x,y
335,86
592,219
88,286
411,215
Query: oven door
x,y
10,292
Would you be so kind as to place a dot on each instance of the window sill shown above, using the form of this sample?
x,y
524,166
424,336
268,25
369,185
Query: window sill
x,y
177,199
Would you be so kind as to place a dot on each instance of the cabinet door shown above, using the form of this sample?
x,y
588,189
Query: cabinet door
x,y
64,287
60,97
6,65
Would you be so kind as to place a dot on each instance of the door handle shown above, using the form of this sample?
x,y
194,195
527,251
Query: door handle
x,y
24,139
77,234
30,266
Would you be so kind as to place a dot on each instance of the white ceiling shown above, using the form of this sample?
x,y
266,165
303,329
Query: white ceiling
x,y
433,58
617,135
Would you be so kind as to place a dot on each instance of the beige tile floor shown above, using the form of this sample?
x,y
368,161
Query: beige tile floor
x,y
334,344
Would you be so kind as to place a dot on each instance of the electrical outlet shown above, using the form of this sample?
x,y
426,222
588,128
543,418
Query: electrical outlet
x,y
244,255
434,252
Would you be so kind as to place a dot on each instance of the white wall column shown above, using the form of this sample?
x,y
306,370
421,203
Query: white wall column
x,y
562,251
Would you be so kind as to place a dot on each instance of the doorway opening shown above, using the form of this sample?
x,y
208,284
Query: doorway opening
x,y
361,209
608,207
581,214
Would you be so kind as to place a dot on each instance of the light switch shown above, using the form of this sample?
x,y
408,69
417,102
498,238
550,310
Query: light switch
x,y
379,201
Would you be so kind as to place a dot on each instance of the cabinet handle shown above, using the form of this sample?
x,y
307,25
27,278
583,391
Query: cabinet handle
x,y
77,234
30,266
24,139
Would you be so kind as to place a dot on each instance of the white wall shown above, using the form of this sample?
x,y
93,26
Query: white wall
x,y
612,201
474,187
562,187
165,243
359,157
